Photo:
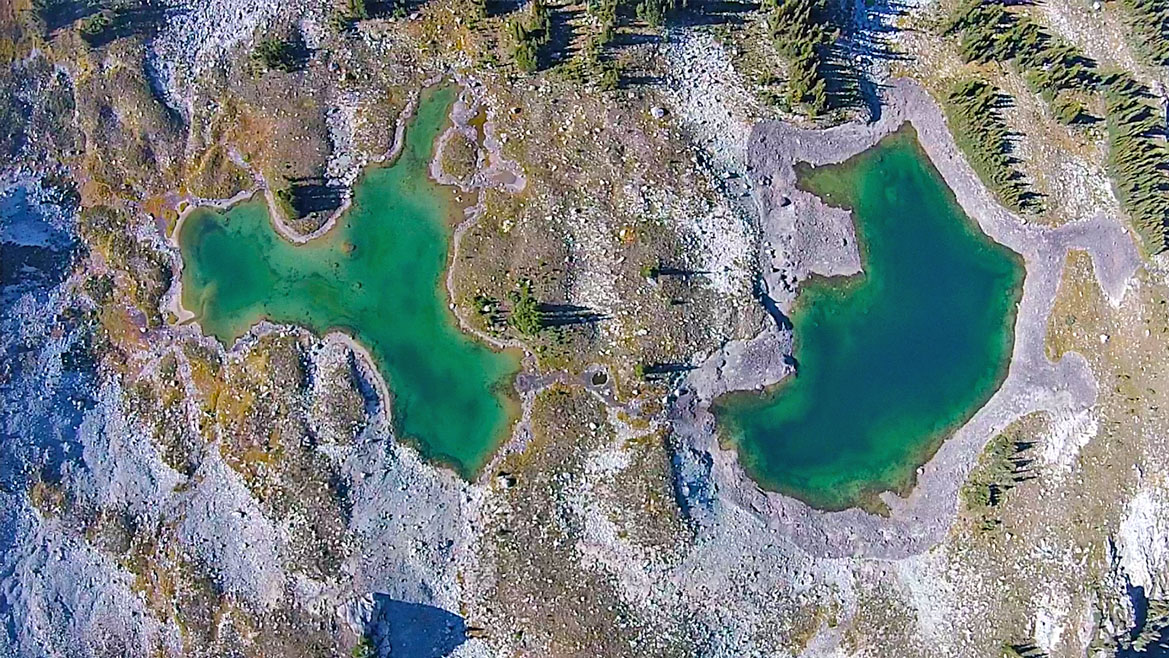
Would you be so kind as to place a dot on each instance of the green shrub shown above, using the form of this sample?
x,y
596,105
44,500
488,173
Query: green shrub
x,y
355,10
525,315
93,26
278,54
972,112
610,76
350,13
1067,110
364,649
1138,158
527,33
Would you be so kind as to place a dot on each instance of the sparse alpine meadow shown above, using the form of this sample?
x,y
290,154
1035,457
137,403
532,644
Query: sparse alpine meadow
x,y
466,328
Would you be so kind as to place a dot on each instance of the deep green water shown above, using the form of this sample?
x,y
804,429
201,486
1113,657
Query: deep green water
x,y
378,275
892,361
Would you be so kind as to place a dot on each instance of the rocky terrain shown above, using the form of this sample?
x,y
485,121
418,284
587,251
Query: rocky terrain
x,y
166,495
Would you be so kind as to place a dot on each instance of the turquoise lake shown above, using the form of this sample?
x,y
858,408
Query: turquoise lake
x,y
378,275
889,362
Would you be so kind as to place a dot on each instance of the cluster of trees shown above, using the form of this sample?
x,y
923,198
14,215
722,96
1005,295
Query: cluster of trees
x,y
1138,158
1064,76
1150,19
1004,465
591,63
527,32
973,112
529,317
605,13
654,12
1052,67
990,32
803,34
281,54
526,316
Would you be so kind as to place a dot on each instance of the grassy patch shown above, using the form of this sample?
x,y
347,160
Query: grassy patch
x,y
48,498
549,603
144,274
1005,463
282,54
460,157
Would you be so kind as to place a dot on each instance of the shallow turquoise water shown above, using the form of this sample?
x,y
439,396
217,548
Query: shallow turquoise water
x,y
892,361
378,275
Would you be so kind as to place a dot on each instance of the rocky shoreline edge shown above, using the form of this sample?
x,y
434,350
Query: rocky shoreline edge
x,y
493,170
801,236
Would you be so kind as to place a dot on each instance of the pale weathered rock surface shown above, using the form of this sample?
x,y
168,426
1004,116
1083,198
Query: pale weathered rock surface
x,y
140,514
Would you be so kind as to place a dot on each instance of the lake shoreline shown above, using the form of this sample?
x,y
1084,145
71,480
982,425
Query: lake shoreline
x,y
186,204
800,236
897,476
460,217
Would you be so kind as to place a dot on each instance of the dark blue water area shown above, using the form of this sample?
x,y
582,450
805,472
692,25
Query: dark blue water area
x,y
47,375
1140,605
414,630
1160,649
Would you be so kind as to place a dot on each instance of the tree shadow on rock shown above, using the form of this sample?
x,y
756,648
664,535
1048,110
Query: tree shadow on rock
x,y
781,320
715,12
562,36
144,19
56,14
312,195
563,315
414,630
664,369
866,38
